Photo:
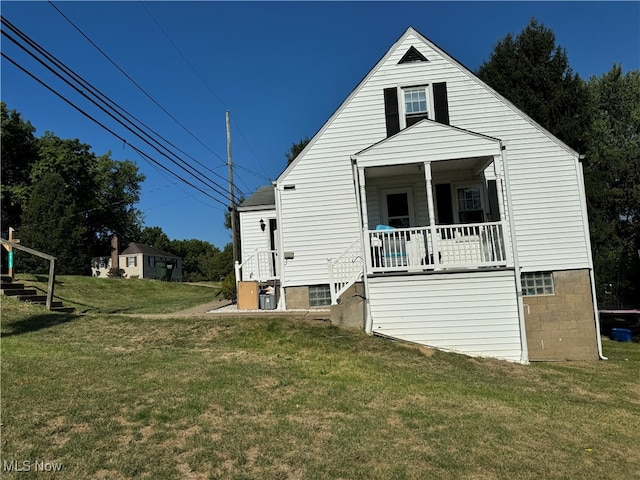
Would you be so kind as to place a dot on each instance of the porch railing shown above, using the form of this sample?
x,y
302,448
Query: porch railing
x,y
345,270
260,266
440,247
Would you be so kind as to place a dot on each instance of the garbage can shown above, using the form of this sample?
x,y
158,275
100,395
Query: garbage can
x,y
621,334
267,302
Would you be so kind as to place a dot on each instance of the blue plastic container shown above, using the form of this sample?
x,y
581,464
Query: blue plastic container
x,y
621,334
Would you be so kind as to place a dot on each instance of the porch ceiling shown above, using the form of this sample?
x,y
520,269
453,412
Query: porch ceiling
x,y
429,141
471,165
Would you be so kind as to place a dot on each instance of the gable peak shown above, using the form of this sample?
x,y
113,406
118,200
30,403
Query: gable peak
x,y
412,55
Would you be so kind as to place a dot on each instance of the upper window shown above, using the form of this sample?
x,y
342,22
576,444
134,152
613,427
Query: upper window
x,y
415,104
131,262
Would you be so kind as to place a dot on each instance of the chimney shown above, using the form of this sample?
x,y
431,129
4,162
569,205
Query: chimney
x,y
115,251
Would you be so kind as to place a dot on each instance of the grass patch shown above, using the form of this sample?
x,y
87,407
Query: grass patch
x,y
116,295
268,398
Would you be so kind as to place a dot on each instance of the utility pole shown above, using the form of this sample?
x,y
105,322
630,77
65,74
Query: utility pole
x,y
232,203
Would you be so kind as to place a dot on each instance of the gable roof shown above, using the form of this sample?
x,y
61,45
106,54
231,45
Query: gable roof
x,y
430,141
263,199
136,248
376,67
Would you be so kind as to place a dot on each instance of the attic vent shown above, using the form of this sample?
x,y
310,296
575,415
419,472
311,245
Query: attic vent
x,y
413,55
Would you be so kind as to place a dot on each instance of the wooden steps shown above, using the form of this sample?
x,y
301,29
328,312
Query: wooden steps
x,y
12,289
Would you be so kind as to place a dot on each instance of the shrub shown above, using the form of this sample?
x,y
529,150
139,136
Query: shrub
x,y
115,273
228,288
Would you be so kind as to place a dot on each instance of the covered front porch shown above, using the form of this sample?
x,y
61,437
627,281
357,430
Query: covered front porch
x,y
431,198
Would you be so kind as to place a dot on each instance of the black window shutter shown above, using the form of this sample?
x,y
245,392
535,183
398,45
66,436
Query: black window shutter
x,y
391,112
445,207
441,103
492,191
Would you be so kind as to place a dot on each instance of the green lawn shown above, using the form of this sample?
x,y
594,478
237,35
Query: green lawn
x,y
117,295
114,397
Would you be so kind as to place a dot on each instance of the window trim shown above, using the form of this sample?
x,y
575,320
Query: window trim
x,y
456,204
385,210
402,106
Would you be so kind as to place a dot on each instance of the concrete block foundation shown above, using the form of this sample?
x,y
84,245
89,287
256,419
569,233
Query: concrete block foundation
x,y
562,326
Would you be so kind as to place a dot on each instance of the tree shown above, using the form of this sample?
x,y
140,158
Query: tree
x,y
53,224
612,177
19,153
295,149
105,189
534,73
155,237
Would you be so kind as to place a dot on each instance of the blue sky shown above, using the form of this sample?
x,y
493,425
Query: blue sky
x,y
280,68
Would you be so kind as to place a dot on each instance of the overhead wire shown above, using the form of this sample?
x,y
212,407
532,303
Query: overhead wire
x,y
147,94
206,84
112,132
113,62
105,100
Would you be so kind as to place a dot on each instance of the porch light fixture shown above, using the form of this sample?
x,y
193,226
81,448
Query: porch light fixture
x,y
262,225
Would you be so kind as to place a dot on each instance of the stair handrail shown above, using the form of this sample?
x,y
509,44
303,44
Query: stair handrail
x,y
341,279
52,266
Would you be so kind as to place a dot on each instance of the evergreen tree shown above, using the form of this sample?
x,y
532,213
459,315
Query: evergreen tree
x,y
533,72
53,224
612,177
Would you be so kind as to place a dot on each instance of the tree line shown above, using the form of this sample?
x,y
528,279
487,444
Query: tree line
x,y
64,200
598,117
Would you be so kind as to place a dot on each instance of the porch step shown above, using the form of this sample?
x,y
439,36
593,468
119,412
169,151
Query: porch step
x,y
63,309
18,290
39,300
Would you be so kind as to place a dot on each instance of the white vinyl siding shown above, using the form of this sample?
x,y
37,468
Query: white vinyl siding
x,y
252,235
471,313
319,217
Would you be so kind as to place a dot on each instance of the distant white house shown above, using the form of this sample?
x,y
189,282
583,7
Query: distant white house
x,y
141,261
430,209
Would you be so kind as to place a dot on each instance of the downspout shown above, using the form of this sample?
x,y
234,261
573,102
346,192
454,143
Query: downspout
x,y
282,302
368,322
524,355
592,278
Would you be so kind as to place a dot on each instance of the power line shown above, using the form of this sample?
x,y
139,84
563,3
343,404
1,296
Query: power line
x,y
133,81
217,188
122,139
206,84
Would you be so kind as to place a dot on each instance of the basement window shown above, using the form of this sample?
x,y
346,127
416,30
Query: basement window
x,y
319,296
537,283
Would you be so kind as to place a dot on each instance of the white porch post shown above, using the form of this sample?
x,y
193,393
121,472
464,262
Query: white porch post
x,y
497,170
432,214
361,203
524,355
282,303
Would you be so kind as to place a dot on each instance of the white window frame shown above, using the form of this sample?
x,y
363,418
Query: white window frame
x,y
456,204
385,209
132,261
402,107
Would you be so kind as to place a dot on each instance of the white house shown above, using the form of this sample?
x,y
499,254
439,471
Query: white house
x,y
445,215
141,261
